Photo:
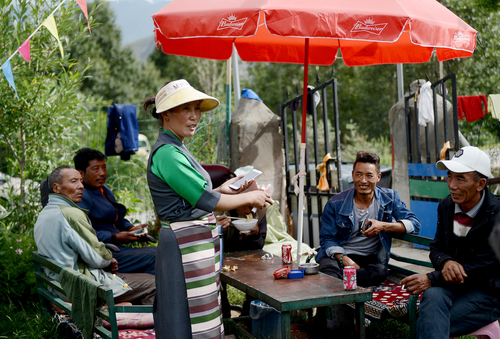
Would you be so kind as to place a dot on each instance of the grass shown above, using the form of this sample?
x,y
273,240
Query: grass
x,y
29,321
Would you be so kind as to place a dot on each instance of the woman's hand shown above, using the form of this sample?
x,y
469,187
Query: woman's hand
x,y
259,198
223,220
225,189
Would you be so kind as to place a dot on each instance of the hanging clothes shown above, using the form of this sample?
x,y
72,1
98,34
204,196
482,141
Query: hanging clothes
x,y
494,105
123,131
470,107
425,110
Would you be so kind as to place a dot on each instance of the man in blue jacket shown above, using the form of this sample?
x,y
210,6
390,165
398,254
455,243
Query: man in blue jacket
x,y
108,216
356,225
463,294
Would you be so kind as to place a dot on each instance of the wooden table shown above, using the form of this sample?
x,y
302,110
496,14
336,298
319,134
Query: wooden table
x,y
255,277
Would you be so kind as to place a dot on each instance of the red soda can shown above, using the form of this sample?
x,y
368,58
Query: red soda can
x,y
281,272
286,254
350,278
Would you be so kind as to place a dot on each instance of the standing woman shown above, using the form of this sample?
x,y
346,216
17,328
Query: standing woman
x,y
188,258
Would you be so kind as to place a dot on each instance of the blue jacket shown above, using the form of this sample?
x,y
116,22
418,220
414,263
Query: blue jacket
x,y
337,220
122,119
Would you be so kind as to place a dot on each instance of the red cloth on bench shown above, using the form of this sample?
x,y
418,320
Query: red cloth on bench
x,y
389,299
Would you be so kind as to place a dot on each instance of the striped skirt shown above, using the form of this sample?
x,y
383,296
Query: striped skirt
x,y
187,303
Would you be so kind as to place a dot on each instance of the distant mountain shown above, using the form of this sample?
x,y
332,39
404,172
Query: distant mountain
x,y
134,17
142,48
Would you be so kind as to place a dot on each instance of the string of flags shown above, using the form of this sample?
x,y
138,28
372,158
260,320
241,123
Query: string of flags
x,y
24,49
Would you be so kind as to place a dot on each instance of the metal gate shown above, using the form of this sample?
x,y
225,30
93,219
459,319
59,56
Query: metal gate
x,y
428,184
318,146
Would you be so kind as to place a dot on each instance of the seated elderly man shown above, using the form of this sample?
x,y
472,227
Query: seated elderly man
x,y
63,232
108,216
463,293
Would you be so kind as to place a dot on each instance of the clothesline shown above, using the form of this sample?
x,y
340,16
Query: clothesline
x,y
469,108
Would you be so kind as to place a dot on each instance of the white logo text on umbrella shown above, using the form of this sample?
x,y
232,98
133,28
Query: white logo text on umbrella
x,y
369,26
231,22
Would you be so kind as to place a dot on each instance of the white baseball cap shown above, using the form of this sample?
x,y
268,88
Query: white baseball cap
x,y
179,92
467,159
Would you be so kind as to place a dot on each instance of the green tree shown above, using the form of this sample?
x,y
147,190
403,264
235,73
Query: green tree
x,y
115,76
37,130
49,102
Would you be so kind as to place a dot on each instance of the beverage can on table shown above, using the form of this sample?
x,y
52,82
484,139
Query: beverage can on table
x,y
281,272
350,278
286,254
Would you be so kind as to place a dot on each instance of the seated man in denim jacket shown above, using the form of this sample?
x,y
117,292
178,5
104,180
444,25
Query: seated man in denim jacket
x,y
356,225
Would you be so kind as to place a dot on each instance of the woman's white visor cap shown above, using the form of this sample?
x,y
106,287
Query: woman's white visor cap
x,y
179,92
467,159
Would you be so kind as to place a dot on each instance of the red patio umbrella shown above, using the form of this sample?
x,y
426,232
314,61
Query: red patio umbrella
x,y
366,32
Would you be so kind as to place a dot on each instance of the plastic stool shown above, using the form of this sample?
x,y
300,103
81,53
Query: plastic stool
x,y
491,331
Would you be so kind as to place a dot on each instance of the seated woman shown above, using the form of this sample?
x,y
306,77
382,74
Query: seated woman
x,y
234,240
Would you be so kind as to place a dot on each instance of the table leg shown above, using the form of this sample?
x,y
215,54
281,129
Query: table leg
x,y
286,330
360,319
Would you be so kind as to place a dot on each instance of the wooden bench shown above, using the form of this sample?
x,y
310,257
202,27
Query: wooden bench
x,y
108,312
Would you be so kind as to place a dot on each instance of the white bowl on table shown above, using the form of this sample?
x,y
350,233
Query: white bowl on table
x,y
244,226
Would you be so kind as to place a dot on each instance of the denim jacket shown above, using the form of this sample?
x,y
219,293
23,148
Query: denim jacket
x,y
337,221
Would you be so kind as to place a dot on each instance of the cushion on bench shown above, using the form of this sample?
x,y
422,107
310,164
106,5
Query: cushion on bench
x,y
137,334
390,300
132,321
137,328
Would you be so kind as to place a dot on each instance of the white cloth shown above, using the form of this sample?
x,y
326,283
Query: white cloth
x,y
425,110
494,105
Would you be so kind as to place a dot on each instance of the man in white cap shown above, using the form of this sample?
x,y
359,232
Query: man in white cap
x,y
462,295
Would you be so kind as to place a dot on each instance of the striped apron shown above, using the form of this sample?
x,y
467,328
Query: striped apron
x,y
199,246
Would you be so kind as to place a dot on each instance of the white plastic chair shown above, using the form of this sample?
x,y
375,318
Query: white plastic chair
x,y
491,331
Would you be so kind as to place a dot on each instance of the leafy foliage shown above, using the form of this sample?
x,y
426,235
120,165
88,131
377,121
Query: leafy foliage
x,y
44,119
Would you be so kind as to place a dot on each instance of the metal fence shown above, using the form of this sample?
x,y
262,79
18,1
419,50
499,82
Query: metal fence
x,y
318,136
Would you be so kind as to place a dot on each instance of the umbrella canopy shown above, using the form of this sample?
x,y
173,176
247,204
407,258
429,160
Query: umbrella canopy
x,y
366,32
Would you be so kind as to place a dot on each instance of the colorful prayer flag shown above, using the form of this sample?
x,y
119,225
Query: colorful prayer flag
x,y
50,23
24,50
7,71
83,6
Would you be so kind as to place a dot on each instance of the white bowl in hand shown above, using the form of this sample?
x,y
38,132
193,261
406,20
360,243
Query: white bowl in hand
x,y
244,226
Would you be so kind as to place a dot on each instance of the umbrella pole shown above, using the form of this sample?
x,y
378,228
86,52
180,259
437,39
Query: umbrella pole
x,y
228,109
302,172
